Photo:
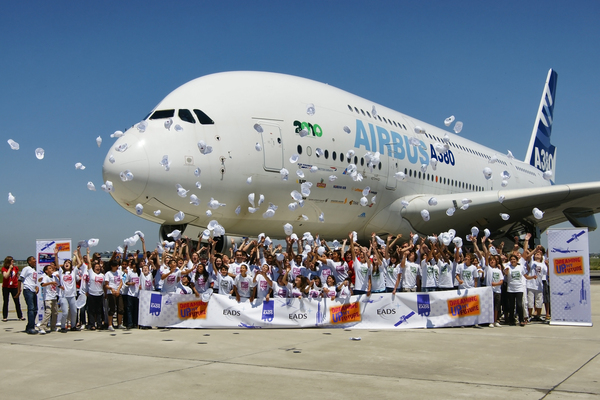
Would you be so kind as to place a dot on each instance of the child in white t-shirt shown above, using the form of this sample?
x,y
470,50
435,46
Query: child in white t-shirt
x,y
49,290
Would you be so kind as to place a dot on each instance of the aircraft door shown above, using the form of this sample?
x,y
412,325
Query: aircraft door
x,y
272,146
391,181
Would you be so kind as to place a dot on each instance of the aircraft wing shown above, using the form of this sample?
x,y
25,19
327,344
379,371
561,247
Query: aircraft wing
x,y
576,203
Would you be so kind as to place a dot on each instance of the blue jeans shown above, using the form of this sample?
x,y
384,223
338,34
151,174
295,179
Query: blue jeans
x,y
32,308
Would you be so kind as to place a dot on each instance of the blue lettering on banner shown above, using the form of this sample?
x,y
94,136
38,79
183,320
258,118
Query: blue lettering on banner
x,y
155,304
268,311
423,305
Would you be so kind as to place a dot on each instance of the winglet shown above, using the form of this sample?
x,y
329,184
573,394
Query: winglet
x,y
541,153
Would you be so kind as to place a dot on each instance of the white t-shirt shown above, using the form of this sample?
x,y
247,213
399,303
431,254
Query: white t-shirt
x,y
134,290
29,278
540,273
314,291
446,279
181,289
244,285
341,270
262,287
282,291
146,281
429,274
391,276
468,274
68,281
50,291
171,281
344,292
378,279
114,281
201,284
362,272
493,275
297,270
409,275
296,292
234,268
96,283
331,292
514,278
225,284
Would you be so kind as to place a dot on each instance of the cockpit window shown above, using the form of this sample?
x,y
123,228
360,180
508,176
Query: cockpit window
x,y
162,114
203,118
186,115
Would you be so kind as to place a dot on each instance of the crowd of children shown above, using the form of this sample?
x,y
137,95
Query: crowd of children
x,y
90,291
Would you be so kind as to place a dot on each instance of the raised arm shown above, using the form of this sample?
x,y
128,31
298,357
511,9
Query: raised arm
x,y
351,236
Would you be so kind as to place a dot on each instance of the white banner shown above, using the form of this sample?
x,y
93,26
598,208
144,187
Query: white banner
x,y
379,311
44,255
569,273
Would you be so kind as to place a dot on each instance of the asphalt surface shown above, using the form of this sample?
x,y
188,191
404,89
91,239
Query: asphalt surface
x,y
538,361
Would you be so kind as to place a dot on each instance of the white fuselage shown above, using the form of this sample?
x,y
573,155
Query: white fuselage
x,y
236,101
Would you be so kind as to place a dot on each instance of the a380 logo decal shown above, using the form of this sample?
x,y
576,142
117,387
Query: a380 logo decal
x,y
447,157
543,160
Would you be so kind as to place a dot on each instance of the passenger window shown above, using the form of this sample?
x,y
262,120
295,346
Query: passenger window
x,y
326,154
334,155
350,107
186,115
203,118
341,157
299,149
162,114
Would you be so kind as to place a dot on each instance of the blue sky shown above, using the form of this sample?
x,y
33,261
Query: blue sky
x,y
72,71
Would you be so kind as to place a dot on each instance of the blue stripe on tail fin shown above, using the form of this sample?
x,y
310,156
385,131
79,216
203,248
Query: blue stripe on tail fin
x,y
541,153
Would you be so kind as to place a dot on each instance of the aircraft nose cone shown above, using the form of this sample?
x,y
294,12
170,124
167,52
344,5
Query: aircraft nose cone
x,y
129,171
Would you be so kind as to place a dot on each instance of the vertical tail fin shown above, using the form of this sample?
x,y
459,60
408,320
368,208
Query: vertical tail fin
x,y
541,153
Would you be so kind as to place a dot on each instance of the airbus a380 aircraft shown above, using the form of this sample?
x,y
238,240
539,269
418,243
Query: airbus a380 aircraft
x,y
256,122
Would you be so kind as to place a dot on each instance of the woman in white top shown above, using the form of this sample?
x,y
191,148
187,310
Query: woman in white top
x,y
316,287
186,287
330,288
514,273
362,268
243,286
201,278
300,287
95,290
263,283
68,289
282,288
170,278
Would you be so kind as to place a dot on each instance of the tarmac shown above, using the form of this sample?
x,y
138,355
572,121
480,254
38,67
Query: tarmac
x,y
539,361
